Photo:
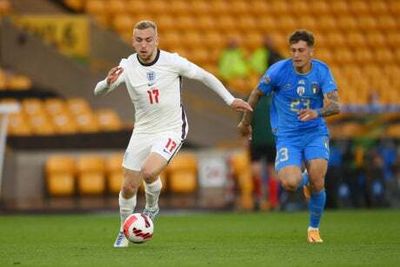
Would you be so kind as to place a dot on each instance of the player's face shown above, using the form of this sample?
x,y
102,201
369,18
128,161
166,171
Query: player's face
x,y
145,43
301,56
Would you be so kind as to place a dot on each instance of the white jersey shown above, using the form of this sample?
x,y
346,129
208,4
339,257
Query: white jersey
x,y
154,89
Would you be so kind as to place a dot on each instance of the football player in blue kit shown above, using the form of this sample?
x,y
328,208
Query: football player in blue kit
x,y
303,93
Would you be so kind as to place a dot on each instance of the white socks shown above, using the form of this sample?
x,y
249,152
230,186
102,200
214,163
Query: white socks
x,y
126,207
152,193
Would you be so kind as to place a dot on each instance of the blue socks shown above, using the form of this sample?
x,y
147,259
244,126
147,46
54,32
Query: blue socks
x,y
316,207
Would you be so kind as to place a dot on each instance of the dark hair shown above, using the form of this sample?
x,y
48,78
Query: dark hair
x,y
302,35
145,24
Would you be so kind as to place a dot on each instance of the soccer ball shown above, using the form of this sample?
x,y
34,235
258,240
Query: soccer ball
x,y
138,228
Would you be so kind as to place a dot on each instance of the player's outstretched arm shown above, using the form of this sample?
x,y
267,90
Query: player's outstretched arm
x,y
110,83
244,125
331,107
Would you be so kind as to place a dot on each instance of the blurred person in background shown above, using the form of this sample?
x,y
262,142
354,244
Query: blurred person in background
x,y
232,62
303,93
153,80
262,145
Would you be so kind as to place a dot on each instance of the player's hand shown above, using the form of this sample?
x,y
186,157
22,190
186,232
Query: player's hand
x,y
307,114
240,105
245,130
113,74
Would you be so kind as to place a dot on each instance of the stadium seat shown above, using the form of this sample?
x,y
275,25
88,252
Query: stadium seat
x,y
87,122
182,173
78,105
240,164
41,124
319,8
18,124
64,123
76,5
91,175
355,39
378,8
326,24
347,23
5,7
386,23
123,23
200,8
367,23
96,7
32,106
108,120
339,8
393,131
114,173
60,175
116,7
359,7
55,106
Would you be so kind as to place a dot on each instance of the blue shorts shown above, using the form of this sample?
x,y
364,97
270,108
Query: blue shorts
x,y
298,149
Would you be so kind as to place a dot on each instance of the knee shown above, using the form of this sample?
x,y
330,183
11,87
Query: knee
x,y
148,175
318,185
128,190
290,184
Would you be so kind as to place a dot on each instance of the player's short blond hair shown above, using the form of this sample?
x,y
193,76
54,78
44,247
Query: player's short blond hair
x,y
145,24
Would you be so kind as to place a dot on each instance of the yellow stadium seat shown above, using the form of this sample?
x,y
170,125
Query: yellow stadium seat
x,y
108,120
60,175
260,8
87,122
307,22
76,5
219,7
384,56
393,40
319,8
185,23
116,7
387,23
182,172
78,105
376,39
300,8
123,23
180,7
199,8
32,106
114,173
19,82
339,7
246,23
18,124
91,175
240,164
355,39
55,105
394,7
378,8
335,39
343,56
367,23
393,131
64,123
193,40
41,124
287,23
165,24
363,56
226,24
359,7
5,7
267,24
326,24
95,7
347,23
240,8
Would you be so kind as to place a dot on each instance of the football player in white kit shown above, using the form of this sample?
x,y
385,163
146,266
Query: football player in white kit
x,y
153,80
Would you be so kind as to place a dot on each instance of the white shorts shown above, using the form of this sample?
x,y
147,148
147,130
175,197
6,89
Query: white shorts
x,y
141,145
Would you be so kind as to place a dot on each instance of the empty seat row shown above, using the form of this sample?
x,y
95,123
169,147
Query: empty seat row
x,y
59,116
67,175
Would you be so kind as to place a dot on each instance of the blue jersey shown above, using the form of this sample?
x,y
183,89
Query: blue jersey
x,y
292,91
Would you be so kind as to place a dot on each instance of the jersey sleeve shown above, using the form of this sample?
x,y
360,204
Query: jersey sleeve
x,y
103,88
269,80
328,83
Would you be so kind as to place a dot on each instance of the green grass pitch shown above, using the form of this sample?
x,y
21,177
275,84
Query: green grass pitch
x,y
352,238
